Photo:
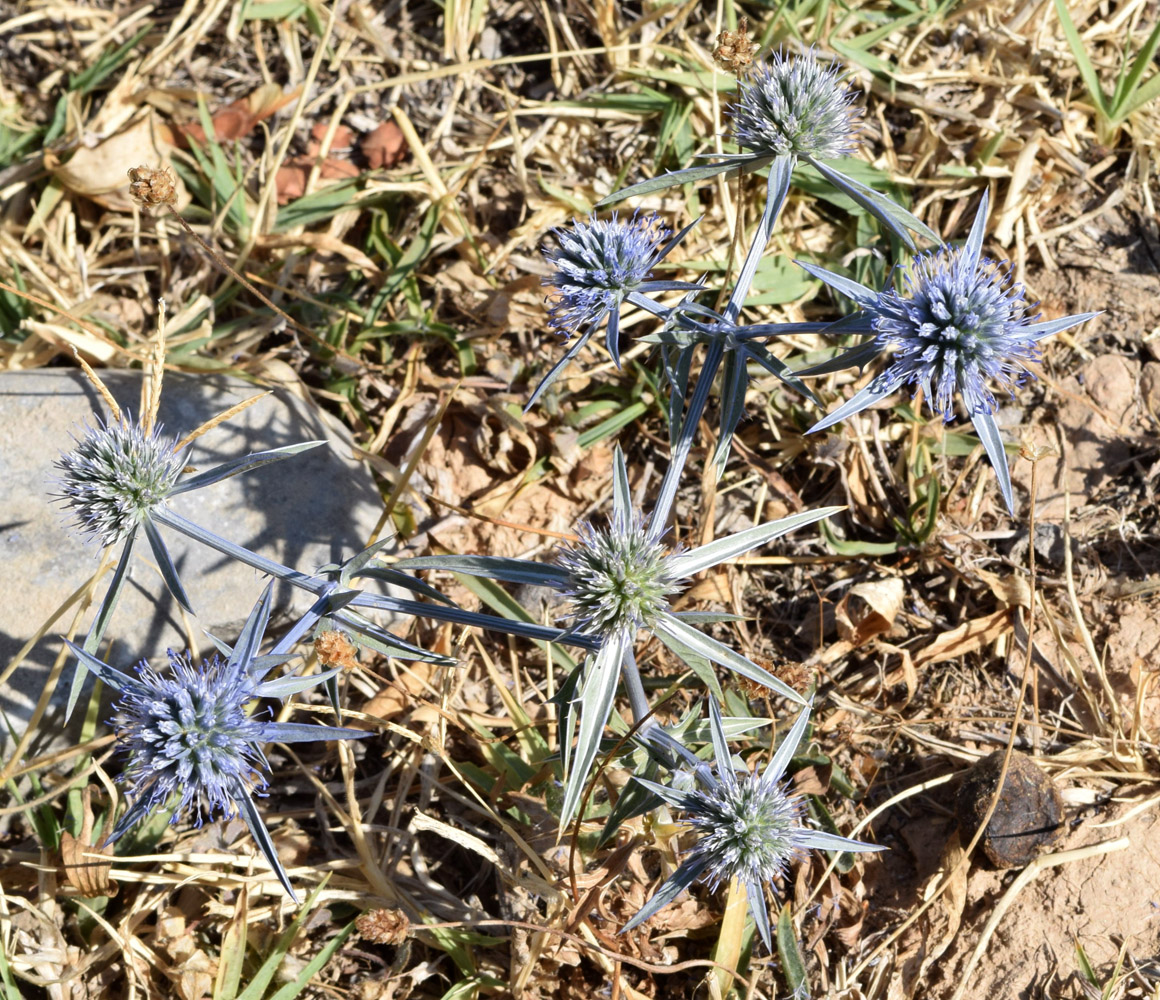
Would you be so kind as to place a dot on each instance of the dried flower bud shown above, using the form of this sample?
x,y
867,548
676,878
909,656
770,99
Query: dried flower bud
x,y
335,650
150,187
734,50
384,926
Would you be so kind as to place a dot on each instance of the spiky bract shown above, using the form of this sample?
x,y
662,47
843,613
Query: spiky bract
x,y
597,264
961,325
618,580
796,105
188,736
116,475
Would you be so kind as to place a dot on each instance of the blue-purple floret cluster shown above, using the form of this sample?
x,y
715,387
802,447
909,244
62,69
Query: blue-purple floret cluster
x,y
958,327
798,106
116,475
598,264
187,739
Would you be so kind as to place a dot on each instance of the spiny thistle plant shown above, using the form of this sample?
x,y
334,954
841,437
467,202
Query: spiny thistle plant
x,y
963,324
750,829
957,326
617,582
120,475
190,741
597,267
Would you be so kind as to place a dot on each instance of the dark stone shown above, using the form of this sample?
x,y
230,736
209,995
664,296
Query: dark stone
x,y
1028,816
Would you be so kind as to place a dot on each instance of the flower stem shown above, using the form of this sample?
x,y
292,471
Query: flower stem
x,y
668,492
727,951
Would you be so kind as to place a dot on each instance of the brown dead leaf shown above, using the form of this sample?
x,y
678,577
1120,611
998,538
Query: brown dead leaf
x,y
1014,591
966,638
343,136
99,172
88,875
868,610
714,588
82,871
321,243
292,176
237,119
384,146
411,687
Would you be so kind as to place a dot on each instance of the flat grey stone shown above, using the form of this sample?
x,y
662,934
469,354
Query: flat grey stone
x,y
305,511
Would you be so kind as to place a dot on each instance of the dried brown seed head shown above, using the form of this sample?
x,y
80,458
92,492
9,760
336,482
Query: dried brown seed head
x,y
734,50
384,926
335,650
150,187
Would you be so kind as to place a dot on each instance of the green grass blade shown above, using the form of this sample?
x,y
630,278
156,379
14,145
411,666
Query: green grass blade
x,y
1091,79
1122,100
291,990
792,963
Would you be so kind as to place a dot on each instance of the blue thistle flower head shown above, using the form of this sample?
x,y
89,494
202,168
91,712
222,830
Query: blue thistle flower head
x,y
598,264
796,105
619,578
116,476
963,324
187,737
750,827
190,741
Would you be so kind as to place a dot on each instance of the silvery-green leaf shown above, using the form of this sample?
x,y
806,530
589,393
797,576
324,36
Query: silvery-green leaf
x,y
832,842
389,575
777,187
558,367
108,675
612,336
171,519
711,649
896,218
856,357
708,617
282,687
721,745
597,690
520,571
699,664
1050,326
734,382
853,290
621,496
301,732
778,368
988,430
973,248
689,563
101,622
250,638
684,441
242,464
165,564
787,748
873,393
262,840
677,883
687,176
755,894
